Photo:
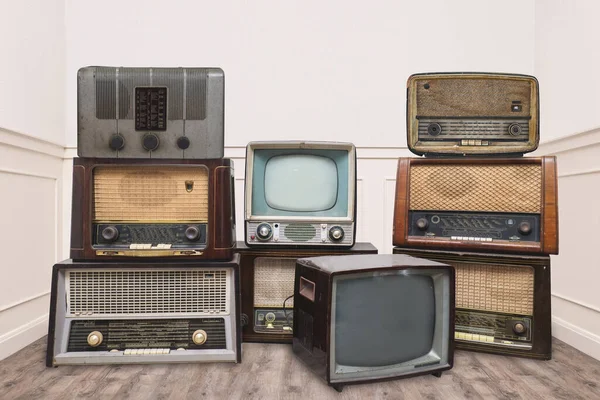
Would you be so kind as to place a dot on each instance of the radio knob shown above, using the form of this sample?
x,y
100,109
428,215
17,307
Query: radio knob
x,y
192,233
525,228
264,232
183,142
116,142
336,233
199,337
110,233
434,129
94,339
514,129
150,142
519,328
422,224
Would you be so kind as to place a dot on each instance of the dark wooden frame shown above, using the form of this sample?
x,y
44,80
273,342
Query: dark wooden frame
x,y
247,257
318,358
542,310
221,215
234,264
549,208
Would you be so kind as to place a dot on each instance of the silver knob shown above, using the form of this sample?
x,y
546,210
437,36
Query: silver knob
x,y
199,337
336,233
94,339
264,231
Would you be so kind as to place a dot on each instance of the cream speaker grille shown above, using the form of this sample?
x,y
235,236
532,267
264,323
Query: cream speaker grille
x,y
502,188
274,281
151,194
175,292
495,288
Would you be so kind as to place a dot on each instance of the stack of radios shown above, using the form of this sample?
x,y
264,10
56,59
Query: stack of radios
x,y
474,202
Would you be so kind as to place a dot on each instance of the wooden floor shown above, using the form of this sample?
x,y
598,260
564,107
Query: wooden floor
x,y
273,372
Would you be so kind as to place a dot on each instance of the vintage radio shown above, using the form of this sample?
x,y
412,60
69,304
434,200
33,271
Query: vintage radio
x,y
300,194
502,302
150,112
364,318
472,113
123,313
502,205
268,288
151,208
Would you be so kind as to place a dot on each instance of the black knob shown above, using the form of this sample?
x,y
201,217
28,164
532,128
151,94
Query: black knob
x,y
514,129
525,228
244,319
110,233
183,142
192,233
264,231
434,129
336,233
116,142
422,223
519,328
150,142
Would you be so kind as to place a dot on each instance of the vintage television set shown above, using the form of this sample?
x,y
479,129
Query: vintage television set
x,y
365,318
300,194
124,208
135,313
268,288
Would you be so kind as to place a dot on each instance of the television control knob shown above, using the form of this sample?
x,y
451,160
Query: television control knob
x,y
422,224
434,129
110,233
199,337
150,142
514,129
264,232
519,328
183,142
192,233
94,339
336,233
525,228
116,142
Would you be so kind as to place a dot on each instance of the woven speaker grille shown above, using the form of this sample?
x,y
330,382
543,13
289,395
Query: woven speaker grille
x,y
496,288
274,281
499,188
462,97
150,194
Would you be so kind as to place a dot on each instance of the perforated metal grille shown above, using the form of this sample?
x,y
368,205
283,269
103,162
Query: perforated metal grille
x,y
300,232
152,194
501,188
497,288
108,292
273,281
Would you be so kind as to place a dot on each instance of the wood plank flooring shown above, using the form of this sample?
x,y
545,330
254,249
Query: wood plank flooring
x,y
271,371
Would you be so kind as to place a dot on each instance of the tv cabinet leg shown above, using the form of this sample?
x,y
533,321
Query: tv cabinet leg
x,y
338,388
437,374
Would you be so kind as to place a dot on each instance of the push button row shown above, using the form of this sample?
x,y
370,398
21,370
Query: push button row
x,y
146,246
471,142
472,239
473,337
145,352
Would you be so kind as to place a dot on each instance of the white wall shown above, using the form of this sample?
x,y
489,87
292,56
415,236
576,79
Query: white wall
x,y
32,139
567,63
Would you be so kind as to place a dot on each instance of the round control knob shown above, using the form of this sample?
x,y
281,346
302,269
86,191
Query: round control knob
x,y
110,233
94,339
150,141
199,337
270,317
434,129
422,224
116,142
519,328
264,231
514,129
525,228
244,319
183,142
192,233
336,233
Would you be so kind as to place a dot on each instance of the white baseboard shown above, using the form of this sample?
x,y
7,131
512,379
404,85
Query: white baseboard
x,y
24,335
573,335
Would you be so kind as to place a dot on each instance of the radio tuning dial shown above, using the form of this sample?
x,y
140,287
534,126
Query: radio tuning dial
x,y
434,129
94,339
336,233
264,231
199,337
192,233
116,142
110,233
422,223
514,129
519,328
150,142
525,228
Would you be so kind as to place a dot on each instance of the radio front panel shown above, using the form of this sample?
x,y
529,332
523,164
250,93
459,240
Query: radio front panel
x,y
273,233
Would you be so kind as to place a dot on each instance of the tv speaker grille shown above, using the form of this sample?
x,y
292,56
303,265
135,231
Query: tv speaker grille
x,y
493,188
129,292
299,232
495,288
274,281
151,194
